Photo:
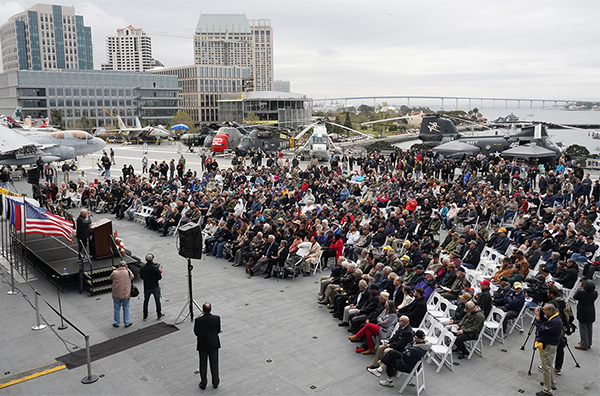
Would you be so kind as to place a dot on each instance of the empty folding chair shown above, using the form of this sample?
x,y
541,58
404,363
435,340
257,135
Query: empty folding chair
x,y
442,310
441,353
492,327
426,324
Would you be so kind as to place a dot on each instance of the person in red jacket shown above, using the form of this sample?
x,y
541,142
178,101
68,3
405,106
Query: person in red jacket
x,y
335,249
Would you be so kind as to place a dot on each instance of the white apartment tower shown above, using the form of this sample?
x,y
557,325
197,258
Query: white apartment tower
x,y
129,50
46,37
233,40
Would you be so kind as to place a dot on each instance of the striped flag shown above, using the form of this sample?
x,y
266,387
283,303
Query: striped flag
x,y
40,221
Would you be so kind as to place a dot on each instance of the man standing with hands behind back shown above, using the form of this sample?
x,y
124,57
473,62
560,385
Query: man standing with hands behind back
x,y
83,229
207,328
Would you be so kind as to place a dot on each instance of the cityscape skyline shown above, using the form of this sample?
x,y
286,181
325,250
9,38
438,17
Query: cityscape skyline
x,y
542,49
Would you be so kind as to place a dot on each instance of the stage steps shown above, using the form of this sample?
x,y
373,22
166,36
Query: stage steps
x,y
98,281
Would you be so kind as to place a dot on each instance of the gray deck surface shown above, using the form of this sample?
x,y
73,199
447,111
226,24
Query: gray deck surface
x,y
261,320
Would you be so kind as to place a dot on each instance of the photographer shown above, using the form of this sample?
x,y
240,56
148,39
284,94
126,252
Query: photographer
x,y
567,318
151,274
548,336
537,291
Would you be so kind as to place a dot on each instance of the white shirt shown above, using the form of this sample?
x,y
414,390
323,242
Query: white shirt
x,y
303,248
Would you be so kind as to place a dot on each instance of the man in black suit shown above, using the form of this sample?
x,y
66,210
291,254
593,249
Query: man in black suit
x,y
207,328
472,256
270,253
398,341
83,229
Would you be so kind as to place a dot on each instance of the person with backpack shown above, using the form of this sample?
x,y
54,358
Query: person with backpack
x,y
586,313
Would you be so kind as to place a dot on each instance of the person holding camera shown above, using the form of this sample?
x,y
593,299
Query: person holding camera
x,y
547,337
151,274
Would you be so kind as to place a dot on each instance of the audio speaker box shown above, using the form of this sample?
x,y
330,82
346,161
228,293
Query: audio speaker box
x,y
190,241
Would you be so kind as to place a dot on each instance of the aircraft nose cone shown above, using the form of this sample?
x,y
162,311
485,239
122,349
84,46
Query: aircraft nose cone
x,y
99,143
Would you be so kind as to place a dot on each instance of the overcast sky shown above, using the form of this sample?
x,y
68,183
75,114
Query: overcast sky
x,y
329,48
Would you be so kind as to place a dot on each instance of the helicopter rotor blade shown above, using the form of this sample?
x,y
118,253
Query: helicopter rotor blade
x,y
351,130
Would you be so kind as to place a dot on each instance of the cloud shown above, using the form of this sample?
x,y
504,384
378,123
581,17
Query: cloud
x,y
338,48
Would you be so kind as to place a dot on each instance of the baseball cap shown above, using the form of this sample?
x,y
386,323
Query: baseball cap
x,y
517,285
469,305
374,286
504,279
485,282
419,334
405,257
429,273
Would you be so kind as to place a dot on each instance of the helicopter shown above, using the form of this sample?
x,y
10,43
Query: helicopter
x,y
439,132
319,144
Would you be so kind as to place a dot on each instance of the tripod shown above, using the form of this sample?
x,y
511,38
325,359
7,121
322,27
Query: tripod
x,y
534,348
190,303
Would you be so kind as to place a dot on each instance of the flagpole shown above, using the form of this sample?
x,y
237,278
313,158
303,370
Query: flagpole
x,y
12,290
24,231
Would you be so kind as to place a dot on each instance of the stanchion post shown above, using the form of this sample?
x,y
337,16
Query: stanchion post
x,y
38,325
89,378
12,290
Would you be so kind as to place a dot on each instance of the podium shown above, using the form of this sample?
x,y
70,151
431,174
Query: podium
x,y
101,239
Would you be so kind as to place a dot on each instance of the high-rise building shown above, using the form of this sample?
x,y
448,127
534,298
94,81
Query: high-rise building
x,y
129,50
233,40
281,86
46,37
263,54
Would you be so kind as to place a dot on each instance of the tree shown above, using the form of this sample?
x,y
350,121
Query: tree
x,y
366,110
348,123
86,124
251,118
181,117
56,119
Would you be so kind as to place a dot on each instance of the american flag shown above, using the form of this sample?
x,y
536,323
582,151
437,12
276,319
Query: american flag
x,y
40,221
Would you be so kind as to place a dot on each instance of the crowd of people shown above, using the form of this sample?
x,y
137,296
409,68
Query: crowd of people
x,y
377,221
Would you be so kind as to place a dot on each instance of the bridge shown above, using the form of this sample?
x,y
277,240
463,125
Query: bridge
x,y
455,99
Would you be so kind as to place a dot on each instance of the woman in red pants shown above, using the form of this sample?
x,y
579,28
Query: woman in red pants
x,y
386,321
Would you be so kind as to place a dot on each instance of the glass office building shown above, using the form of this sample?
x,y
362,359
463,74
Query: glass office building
x,y
46,37
97,94
202,87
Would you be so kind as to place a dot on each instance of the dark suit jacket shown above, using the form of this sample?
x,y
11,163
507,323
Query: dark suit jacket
x,y
401,338
416,311
473,257
83,227
207,328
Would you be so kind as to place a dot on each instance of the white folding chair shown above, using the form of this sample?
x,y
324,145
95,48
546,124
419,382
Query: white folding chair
x,y
426,324
475,345
492,327
518,321
436,333
418,374
441,353
318,264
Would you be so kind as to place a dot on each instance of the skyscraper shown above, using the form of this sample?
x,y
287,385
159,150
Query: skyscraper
x,y
129,50
233,40
46,37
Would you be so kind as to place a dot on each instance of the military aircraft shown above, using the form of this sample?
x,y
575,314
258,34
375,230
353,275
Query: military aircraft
x,y
438,131
138,132
24,147
242,138
319,144
199,139
266,140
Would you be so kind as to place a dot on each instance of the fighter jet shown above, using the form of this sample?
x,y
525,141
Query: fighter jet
x,y
24,148
138,132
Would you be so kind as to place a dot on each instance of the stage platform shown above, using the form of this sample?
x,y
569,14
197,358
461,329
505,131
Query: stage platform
x,y
57,260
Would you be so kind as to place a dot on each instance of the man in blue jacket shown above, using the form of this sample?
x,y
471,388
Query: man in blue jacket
x,y
502,242
547,338
513,302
